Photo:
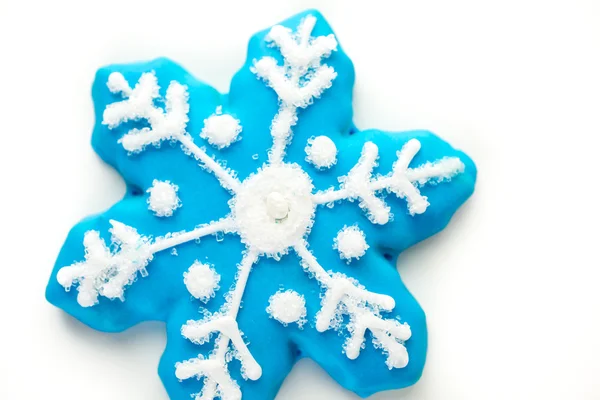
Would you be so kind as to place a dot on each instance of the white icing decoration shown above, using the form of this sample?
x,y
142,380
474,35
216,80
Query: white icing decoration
x,y
97,276
221,130
351,243
344,295
302,59
265,197
402,181
218,382
169,124
201,280
139,104
288,307
272,211
321,152
163,199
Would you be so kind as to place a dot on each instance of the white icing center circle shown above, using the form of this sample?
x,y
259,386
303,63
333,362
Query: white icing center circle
x,y
274,208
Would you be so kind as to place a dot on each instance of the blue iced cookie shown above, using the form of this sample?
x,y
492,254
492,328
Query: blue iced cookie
x,y
285,250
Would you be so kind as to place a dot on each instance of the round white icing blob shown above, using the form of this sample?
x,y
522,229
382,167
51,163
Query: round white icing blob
x,y
87,298
116,83
275,191
221,130
351,243
201,280
163,199
287,307
321,152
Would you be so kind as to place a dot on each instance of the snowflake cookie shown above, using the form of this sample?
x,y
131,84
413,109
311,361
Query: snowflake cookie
x,y
284,251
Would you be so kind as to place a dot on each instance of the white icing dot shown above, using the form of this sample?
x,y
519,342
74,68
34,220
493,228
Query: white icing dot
x,y
221,130
350,243
321,152
86,299
288,307
163,199
201,280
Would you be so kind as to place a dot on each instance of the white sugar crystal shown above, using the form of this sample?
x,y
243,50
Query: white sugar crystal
x,y
351,243
221,130
163,199
288,307
201,281
321,152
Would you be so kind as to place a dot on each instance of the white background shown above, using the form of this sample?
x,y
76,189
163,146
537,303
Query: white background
x,y
511,288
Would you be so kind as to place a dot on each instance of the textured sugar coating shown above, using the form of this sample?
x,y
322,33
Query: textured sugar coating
x,y
139,103
351,243
163,199
288,307
272,205
221,130
201,280
254,212
321,152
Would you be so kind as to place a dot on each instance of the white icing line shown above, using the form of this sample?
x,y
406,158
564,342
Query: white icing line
x,y
281,131
223,225
228,327
301,51
290,93
440,170
107,273
138,104
104,273
302,56
330,196
218,381
169,124
357,185
402,181
227,179
388,334
344,295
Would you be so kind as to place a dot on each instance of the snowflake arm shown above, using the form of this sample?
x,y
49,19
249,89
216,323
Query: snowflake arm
x,y
107,273
169,124
344,296
218,381
301,79
402,181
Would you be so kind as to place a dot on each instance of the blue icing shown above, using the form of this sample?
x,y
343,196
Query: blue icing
x,y
162,294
